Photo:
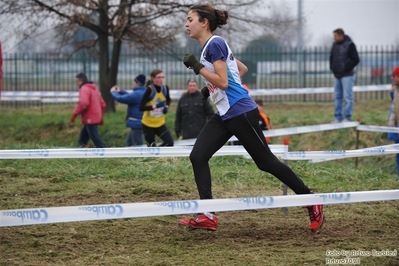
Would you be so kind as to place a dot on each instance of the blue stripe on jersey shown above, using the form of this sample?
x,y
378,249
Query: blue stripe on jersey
x,y
238,97
242,106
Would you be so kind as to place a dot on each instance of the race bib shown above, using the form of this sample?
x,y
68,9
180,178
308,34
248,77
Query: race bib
x,y
157,112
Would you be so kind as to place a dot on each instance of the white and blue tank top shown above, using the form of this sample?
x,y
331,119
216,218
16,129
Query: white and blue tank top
x,y
235,100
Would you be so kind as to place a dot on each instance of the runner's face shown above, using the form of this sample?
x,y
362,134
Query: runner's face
x,y
193,25
158,80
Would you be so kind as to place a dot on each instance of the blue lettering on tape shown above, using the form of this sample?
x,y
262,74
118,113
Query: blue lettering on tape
x,y
315,127
291,130
92,151
297,154
41,152
336,196
111,210
147,150
39,215
262,201
377,151
336,152
188,205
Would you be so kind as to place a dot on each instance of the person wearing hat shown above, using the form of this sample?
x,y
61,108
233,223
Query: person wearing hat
x,y
394,111
91,108
134,114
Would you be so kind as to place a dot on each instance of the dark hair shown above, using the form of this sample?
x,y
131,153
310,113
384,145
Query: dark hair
x,y
191,80
82,77
153,74
339,31
217,18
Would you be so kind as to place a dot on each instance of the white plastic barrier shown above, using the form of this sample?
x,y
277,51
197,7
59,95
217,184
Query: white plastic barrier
x,y
377,128
308,129
32,216
176,94
295,91
39,94
320,156
287,131
278,150
20,98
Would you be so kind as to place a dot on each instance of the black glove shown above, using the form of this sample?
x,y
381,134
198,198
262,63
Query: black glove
x,y
177,133
165,110
205,93
160,104
191,62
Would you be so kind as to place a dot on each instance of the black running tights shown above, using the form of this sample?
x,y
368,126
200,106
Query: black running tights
x,y
246,128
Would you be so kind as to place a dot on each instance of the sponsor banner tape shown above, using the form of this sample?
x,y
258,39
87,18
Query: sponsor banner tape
x,y
176,94
123,152
377,128
279,150
342,154
286,131
33,216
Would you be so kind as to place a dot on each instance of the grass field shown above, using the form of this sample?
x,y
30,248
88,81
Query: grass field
x,y
262,237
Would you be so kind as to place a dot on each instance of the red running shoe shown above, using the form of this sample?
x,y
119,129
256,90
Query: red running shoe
x,y
316,217
205,220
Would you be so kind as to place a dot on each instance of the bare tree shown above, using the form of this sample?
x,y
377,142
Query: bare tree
x,y
156,22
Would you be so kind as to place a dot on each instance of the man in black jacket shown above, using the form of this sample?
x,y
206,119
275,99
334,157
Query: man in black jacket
x,y
343,59
192,112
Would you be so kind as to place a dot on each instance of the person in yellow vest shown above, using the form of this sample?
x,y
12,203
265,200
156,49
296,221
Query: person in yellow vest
x,y
155,104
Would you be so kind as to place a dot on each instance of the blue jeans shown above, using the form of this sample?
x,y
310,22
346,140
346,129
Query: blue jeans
x,y
395,137
135,137
343,91
90,132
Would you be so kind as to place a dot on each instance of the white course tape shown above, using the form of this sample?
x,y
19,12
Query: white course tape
x,y
20,98
377,128
278,150
308,129
296,91
320,156
316,157
40,93
32,216
288,131
176,94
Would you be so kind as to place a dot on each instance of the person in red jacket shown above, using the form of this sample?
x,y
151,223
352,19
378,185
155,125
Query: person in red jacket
x,y
91,108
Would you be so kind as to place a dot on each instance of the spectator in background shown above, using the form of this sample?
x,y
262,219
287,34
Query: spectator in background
x,y
192,112
134,115
264,121
91,108
155,104
343,59
377,75
394,110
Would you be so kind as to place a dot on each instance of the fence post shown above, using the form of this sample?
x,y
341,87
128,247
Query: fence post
x,y
286,142
357,143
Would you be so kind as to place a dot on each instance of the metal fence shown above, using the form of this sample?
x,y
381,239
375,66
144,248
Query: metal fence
x,y
278,68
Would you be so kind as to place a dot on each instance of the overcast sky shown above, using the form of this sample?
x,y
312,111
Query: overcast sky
x,y
367,22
